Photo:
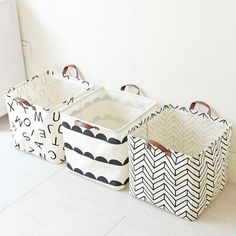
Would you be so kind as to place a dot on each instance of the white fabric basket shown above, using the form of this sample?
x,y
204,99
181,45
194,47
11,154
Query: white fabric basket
x,y
34,112
95,129
178,159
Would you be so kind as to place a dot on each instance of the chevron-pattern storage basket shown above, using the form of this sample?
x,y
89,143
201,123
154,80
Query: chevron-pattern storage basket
x,y
178,159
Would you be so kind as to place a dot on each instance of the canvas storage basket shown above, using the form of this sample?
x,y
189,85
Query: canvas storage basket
x,y
178,159
34,111
95,134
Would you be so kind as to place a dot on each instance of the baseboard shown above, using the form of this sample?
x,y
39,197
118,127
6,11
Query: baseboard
x,y
232,168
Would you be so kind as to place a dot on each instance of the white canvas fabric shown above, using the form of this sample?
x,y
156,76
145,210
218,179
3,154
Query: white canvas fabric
x,y
95,129
187,168
34,112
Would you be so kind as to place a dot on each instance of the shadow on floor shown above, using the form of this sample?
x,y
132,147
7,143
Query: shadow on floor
x,y
4,123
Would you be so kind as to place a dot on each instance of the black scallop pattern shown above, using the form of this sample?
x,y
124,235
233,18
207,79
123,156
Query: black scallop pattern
x,y
77,170
74,128
101,159
101,136
98,158
88,133
66,125
91,134
99,178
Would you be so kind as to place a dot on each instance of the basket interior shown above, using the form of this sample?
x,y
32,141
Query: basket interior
x,y
181,131
48,91
109,109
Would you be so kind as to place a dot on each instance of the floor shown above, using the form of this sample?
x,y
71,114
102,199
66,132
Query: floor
x,y
39,198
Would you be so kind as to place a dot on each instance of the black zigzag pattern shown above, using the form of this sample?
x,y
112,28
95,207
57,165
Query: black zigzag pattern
x,y
176,184
181,184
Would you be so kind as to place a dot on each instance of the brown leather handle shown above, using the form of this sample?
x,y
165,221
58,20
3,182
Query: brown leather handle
x,y
151,143
85,125
66,68
130,85
193,104
23,102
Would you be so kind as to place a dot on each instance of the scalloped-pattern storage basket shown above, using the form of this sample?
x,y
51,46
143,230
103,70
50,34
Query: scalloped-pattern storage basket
x,y
95,134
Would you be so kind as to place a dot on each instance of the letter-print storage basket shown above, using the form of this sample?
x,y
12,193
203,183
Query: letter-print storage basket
x,y
95,134
178,159
34,111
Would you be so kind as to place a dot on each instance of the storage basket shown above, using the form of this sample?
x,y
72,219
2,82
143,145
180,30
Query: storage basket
x,y
178,159
95,134
34,111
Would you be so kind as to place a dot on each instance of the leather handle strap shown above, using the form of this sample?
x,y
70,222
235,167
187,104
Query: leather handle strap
x,y
151,143
193,104
131,85
77,71
23,102
85,125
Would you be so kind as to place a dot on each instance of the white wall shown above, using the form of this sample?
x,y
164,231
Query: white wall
x,y
11,58
176,51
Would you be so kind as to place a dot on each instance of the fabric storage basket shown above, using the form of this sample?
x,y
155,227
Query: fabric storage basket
x,y
95,129
178,159
34,111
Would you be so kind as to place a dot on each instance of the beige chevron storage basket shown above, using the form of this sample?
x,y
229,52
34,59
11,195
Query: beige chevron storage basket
x,y
178,159
34,111
95,134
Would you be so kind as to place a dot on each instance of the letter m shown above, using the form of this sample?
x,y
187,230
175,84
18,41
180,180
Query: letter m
x,y
38,116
